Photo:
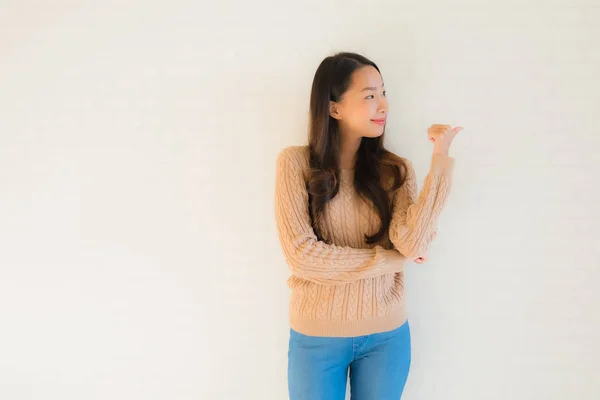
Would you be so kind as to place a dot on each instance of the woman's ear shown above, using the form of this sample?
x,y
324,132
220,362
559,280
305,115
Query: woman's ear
x,y
334,111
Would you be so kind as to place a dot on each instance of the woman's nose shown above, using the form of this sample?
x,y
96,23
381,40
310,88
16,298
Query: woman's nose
x,y
383,104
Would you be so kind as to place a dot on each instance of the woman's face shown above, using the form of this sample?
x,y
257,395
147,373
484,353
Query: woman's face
x,y
362,110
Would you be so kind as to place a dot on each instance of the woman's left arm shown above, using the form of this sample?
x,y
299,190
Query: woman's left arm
x,y
414,217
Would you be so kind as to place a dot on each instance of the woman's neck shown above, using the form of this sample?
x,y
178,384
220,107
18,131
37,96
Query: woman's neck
x,y
348,150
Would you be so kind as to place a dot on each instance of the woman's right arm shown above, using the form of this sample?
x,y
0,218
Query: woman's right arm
x,y
307,257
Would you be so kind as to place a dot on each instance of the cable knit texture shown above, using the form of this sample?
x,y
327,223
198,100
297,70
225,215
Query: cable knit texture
x,y
342,286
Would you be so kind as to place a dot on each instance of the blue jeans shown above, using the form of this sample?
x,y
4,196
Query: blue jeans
x,y
378,365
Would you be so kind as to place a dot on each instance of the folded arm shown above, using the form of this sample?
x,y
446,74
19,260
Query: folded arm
x,y
308,257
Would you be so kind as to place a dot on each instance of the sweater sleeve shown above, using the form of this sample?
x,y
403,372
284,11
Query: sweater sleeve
x,y
414,219
308,257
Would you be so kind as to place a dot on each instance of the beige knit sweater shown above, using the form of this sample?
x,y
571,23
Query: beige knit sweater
x,y
342,286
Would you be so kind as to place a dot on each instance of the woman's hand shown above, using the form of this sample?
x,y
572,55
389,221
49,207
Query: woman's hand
x,y
421,260
441,136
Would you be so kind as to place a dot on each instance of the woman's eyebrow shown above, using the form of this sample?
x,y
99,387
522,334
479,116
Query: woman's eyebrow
x,y
371,88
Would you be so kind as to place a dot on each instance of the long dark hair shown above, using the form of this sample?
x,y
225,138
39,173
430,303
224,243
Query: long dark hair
x,y
374,164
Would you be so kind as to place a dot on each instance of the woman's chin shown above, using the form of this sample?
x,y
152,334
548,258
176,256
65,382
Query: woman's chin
x,y
374,133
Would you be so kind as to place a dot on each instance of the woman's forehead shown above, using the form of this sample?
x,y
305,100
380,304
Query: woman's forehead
x,y
366,78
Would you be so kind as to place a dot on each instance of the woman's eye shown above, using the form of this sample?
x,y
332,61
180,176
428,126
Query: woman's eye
x,y
372,96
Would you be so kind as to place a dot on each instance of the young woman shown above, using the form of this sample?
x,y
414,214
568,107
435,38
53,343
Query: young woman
x,y
349,217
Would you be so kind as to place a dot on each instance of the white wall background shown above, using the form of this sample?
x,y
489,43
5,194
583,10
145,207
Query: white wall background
x,y
138,251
